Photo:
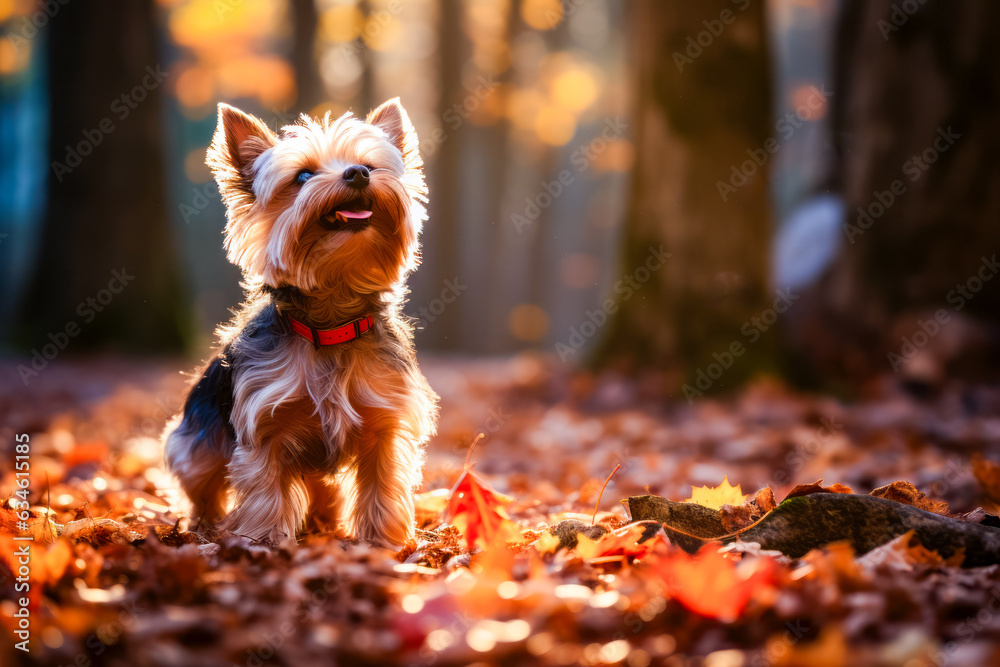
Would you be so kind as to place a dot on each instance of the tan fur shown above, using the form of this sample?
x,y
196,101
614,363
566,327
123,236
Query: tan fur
x,y
341,425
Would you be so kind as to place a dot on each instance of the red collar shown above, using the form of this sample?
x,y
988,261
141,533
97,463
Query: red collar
x,y
341,334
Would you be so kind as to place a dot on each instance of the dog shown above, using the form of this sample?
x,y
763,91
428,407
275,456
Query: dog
x,y
313,406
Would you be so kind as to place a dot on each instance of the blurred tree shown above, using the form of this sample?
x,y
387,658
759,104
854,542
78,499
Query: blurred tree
x,y
366,95
917,97
442,243
106,270
702,123
305,59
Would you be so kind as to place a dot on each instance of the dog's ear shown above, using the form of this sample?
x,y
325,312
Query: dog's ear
x,y
391,118
239,140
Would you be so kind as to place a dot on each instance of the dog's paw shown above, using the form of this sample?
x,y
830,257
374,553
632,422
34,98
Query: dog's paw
x,y
386,534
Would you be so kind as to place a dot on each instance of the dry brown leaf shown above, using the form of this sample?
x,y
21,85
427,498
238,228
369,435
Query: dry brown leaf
x,y
906,553
906,493
737,518
817,487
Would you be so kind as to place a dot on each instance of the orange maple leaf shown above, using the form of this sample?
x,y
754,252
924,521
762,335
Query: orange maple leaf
x,y
716,497
711,584
478,512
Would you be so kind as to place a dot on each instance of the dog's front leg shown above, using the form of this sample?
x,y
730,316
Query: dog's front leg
x,y
388,467
270,499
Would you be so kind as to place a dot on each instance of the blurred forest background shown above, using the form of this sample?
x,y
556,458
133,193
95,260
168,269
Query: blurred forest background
x,y
821,174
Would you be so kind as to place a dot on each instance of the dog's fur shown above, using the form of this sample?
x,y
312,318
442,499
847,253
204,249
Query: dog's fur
x,y
275,426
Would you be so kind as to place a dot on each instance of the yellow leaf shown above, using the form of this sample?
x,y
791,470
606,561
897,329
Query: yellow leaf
x,y
546,543
715,498
586,547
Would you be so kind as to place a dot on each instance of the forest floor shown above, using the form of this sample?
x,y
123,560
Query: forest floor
x,y
117,579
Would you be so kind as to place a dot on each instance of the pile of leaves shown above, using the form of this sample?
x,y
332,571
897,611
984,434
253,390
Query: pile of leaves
x,y
519,559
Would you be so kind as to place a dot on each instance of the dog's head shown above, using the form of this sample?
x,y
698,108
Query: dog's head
x,y
322,203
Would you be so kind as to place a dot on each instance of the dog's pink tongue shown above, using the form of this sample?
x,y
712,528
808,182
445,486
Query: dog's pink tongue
x,y
355,215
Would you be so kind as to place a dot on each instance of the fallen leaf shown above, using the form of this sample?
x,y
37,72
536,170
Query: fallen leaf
x,y
568,531
906,493
711,584
632,541
735,518
47,563
716,497
906,553
817,487
478,512
430,506
434,549
547,543
764,500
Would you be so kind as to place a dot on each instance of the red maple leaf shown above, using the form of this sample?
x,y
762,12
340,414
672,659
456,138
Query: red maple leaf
x,y
478,512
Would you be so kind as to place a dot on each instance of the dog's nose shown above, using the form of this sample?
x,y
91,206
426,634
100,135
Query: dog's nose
x,y
357,176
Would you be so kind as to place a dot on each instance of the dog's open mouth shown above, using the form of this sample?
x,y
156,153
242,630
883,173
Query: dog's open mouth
x,y
352,216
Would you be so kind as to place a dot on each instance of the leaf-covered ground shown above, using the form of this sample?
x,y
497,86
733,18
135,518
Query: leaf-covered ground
x,y
507,569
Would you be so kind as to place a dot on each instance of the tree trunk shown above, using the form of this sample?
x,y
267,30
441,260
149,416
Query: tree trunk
x,y
917,98
106,271
308,81
702,110
442,247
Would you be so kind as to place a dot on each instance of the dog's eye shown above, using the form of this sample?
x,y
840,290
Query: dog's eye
x,y
369,167
304,176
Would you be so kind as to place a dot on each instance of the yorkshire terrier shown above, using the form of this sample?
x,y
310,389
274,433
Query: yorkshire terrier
x,y
313,405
